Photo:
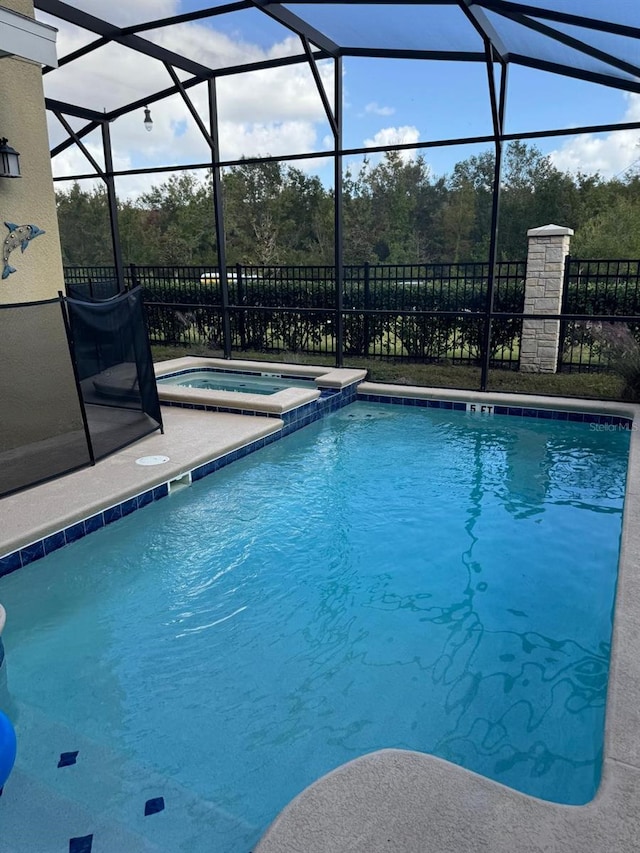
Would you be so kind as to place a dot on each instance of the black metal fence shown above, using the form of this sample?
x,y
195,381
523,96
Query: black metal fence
x,y
603,288
423,313
420,313
91,282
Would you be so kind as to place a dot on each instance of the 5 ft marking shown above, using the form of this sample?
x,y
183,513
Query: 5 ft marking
x,y
480,408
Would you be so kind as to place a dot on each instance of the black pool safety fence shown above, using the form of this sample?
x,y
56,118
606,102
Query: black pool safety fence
x,y
86,389
418,313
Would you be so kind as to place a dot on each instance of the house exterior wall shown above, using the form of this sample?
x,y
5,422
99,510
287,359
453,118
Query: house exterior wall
x,y
29,200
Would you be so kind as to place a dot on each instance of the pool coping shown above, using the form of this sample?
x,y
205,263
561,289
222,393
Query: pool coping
x,y
278,404
407,801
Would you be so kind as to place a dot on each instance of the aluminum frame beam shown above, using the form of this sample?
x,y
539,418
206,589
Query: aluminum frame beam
x,y
102,28
297,25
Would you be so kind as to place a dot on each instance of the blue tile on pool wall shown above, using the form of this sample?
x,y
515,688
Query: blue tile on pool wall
x,y
32,552
10,563
53,542
75,532
94,523
129,506
113,513
145,498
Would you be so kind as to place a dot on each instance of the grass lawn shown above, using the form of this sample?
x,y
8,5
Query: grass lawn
x,y
601,386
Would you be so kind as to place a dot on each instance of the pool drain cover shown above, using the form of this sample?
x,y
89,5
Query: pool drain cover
x,y
152,460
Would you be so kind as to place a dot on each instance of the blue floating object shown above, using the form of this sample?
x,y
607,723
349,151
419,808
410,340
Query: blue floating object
x,y
7,748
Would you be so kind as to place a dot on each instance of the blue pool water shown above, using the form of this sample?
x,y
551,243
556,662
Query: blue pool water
x,y
242,383
417,579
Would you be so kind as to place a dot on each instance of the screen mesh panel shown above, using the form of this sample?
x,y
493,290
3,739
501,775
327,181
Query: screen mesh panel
x,y
54,419
42,432
113,362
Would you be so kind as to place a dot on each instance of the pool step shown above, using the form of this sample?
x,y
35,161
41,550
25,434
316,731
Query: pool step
x,y
104,794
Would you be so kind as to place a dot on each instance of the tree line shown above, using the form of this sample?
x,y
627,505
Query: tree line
x,y
396,211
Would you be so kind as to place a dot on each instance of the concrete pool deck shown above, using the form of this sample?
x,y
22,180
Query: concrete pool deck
x,y
191,438
395,800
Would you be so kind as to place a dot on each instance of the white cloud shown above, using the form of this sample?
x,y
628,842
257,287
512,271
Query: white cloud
x,y
268,112
124,14
406,134
609,154
376,109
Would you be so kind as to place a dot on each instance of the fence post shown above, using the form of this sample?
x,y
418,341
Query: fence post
x,y
241,301
367,305
548,249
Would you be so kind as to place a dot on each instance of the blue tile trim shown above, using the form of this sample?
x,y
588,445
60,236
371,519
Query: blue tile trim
x,y
32,552
53,542
37,550
513,411
71,534
293,420
10,563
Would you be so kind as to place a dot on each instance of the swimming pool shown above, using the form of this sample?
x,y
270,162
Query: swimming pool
x,y
240,383
349,617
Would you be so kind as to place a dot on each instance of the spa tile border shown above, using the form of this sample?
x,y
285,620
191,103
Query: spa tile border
x,y
511,411
294,420
329,400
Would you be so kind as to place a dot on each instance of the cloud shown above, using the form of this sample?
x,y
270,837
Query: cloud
x,y
374,108
268,112
125,14
396,136
609,154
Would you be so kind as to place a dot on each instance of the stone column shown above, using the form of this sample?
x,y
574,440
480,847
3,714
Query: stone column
x,y
548,248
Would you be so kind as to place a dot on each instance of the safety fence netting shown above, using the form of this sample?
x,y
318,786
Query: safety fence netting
x,y
76,384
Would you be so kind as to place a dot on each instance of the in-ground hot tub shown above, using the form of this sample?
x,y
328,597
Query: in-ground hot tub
x,y
213,379
270,388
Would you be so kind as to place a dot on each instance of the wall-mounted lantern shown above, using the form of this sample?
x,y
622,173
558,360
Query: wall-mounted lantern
x,y
148,121
9,160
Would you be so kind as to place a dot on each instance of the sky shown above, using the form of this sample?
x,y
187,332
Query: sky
x,y
278,111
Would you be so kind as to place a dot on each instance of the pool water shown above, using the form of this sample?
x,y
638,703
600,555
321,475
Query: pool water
x,y
241,383
387,577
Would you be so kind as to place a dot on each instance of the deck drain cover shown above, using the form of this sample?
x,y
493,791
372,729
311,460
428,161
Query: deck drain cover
x,y
152,460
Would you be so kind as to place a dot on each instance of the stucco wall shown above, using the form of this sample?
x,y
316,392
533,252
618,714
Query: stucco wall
x,y
28,200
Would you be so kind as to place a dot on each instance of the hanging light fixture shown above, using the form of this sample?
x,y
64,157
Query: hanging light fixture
x,y
9,160
148,121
